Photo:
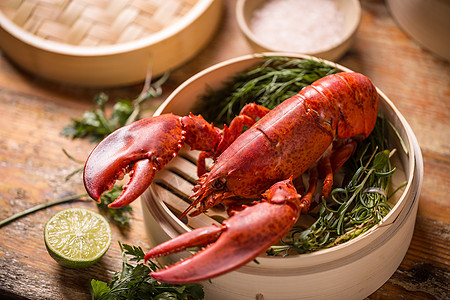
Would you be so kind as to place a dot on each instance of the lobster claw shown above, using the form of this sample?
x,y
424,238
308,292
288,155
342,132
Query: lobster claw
x,y
143,147
240,239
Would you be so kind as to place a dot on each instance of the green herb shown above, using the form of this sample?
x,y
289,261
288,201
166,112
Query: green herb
x,y
118,215
134,282
41,206
354,208
96,125
268,84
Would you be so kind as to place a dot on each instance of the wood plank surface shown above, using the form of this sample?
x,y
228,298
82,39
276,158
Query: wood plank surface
x,y
33,166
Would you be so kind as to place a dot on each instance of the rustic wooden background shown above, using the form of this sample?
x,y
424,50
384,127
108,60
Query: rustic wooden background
x,y
33,167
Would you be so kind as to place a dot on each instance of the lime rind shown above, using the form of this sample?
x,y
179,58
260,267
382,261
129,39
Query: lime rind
x,y
77,237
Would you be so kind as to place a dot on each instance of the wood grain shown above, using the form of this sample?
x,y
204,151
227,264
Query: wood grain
x,y
33,166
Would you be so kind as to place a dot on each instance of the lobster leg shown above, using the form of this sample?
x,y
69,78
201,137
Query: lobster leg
x,y
325,168
312,185
341,155
240,239
247,117
329,164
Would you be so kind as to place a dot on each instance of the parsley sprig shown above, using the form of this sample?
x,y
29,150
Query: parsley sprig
x,y
96,125
121,216
134,282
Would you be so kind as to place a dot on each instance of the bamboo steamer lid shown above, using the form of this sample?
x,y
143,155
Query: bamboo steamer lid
x,y
104,42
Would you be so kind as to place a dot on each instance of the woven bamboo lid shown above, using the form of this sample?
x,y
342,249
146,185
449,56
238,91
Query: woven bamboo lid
x,y
95,22
170,31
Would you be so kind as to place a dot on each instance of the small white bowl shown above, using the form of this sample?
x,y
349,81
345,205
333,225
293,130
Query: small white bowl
x,y
105,43
352,270
351,13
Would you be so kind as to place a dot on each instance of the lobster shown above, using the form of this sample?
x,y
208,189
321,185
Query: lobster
x,y
315,131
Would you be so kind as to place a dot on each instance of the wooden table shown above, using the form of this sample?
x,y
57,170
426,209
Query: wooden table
x,y
33,166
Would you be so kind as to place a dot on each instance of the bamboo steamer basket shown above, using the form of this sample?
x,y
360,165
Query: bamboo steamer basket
x,y
352,270
105,43
426,21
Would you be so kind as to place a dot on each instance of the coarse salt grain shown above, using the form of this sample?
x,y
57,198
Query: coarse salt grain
x,y
306,26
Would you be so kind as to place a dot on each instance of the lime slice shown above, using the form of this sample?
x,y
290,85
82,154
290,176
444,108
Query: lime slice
x,y
77,237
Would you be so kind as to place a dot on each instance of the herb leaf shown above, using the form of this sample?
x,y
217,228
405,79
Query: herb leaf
x,y
98,288
135,282
96,125
118,215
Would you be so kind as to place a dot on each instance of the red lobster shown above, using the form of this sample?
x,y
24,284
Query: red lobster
x,y
315,130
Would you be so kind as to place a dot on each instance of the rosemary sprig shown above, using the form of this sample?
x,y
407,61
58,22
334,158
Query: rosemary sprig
x,y
134,282
354,208
267,84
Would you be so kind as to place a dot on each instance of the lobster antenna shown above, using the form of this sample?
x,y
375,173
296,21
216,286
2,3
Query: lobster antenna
x,y
190,207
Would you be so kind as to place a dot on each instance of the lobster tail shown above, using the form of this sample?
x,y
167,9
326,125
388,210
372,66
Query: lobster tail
x,y
366,102
357,100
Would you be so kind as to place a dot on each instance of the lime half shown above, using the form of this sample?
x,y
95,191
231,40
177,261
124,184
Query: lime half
x,y
77,237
